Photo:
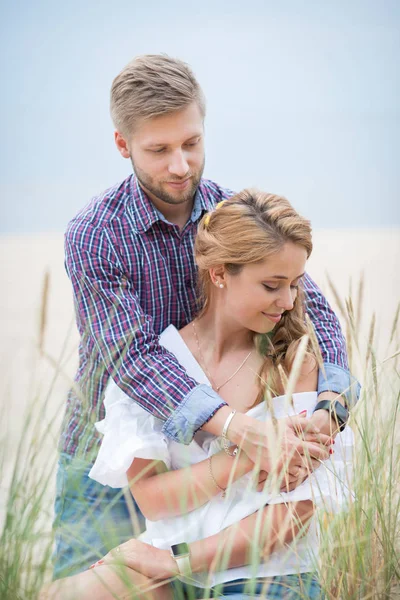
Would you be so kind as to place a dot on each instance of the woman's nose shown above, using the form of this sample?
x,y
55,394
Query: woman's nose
x,y
286,299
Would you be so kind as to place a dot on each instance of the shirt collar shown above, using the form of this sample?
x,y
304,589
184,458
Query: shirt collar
x,y
145,213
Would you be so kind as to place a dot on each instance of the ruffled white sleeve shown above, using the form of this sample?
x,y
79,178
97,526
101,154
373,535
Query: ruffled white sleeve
x,y
129,432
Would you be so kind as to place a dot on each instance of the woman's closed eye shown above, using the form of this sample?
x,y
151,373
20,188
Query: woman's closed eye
x,y
274,289
270,288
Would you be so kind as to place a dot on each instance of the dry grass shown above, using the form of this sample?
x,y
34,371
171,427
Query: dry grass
x,y
359,548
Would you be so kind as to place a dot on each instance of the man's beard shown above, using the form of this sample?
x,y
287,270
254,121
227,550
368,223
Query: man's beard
x,y
149,185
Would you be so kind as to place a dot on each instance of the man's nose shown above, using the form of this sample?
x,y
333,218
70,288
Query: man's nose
x,y
178,164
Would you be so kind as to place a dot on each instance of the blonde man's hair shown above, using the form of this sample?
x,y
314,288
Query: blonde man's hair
x,y
152,85
246,229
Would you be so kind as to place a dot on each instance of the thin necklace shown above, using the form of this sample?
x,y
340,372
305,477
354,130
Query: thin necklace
x,y
216,387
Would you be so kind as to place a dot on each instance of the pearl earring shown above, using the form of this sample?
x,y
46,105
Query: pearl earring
x,y
221,285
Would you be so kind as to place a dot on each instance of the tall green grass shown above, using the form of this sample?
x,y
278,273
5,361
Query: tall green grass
x,y
359,556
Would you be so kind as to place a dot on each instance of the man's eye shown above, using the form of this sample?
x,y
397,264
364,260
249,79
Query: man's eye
x,y
158,151
269,288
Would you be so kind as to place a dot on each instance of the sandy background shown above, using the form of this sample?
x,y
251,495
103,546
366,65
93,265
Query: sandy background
x,y
27,379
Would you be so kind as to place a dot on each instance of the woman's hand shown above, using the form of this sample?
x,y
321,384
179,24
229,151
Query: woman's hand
x,y
283,445
307,428
143,558
290,482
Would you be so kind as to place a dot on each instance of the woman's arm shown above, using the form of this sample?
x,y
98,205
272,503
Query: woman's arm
x,y
264,531
161,493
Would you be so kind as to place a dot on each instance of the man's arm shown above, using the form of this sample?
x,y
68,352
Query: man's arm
x,y
110,318
334,378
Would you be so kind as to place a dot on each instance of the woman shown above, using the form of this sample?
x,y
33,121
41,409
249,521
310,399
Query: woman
x,y
251,254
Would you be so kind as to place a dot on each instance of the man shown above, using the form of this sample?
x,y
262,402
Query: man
x,y
130,260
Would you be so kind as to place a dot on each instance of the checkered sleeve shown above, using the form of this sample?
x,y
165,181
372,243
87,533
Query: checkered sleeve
x,y
326,325
109,314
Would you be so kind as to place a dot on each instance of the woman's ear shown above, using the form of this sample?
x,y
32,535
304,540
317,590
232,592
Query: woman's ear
x,y
218,276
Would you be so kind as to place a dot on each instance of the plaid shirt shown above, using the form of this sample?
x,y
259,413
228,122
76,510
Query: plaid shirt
x,y
133,274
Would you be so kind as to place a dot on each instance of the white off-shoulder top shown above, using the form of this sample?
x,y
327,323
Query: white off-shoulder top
x,y
130,432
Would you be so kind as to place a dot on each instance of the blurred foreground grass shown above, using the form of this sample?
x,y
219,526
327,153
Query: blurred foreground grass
x,y
359,556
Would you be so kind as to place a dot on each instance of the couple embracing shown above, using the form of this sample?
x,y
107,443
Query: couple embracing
x,y
191,304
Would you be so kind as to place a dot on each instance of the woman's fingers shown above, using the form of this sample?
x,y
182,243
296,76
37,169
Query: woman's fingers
x,y
294,478
319,438
124,553
313,449
262,476
308,455
289,486
302,424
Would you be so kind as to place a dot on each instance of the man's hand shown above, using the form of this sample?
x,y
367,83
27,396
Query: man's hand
x,y
277,446
322,418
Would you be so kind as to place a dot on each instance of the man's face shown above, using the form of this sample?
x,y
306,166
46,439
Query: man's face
x,y
167,154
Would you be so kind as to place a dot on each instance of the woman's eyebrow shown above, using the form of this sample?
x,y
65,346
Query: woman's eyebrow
x,y
284,277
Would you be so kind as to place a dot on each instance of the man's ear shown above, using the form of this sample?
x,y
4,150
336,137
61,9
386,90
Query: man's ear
x,y
121,144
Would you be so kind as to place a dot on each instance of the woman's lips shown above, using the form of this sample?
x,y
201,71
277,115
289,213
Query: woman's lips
x,y
274,318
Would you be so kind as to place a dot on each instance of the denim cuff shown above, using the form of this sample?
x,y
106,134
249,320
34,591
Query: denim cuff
x,y
332,378
195,410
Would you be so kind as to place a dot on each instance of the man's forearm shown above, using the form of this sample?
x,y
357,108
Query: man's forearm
x,y
262,532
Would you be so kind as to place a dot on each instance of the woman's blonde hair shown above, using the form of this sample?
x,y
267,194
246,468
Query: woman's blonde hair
x,y
246,229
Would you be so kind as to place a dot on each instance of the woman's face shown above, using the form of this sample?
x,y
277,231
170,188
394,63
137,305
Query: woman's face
x,y
257,297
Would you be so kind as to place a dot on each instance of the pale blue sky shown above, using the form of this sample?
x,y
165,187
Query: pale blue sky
x,y
303,100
